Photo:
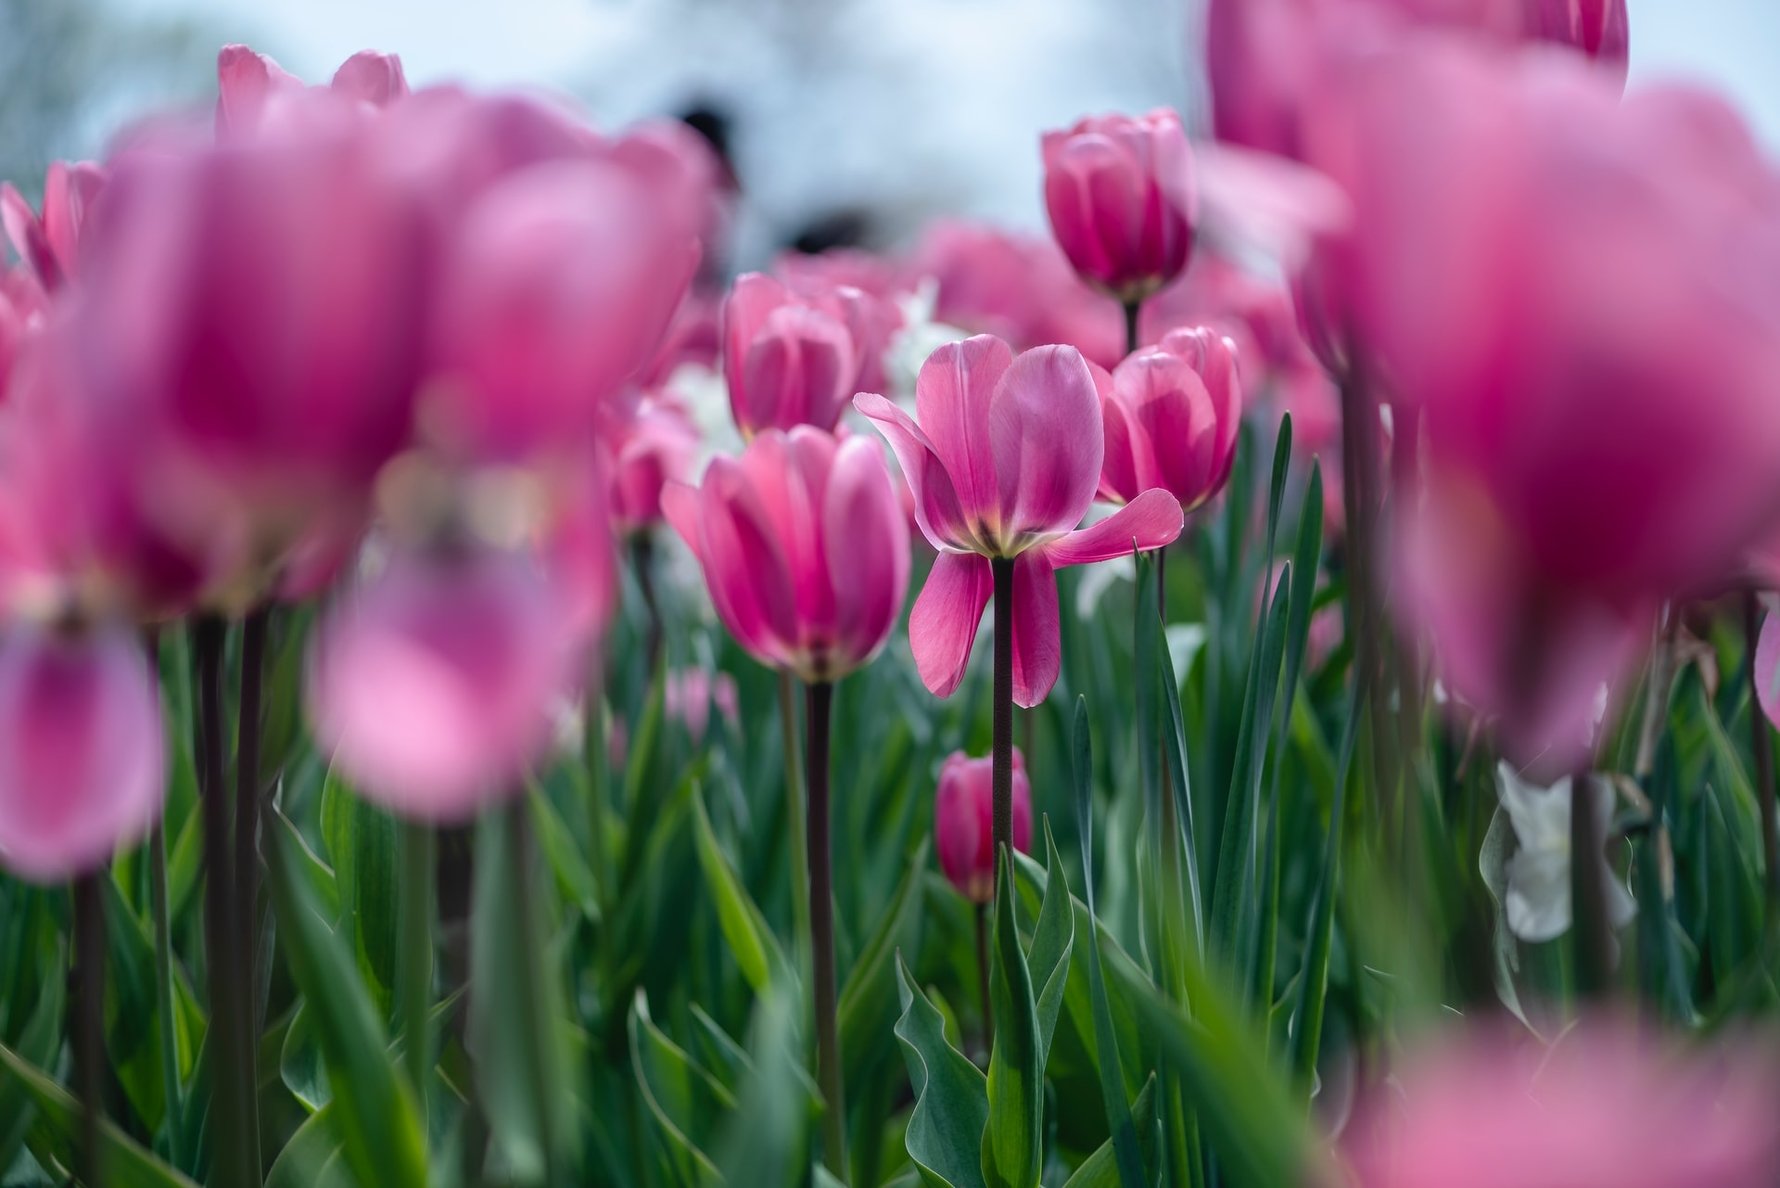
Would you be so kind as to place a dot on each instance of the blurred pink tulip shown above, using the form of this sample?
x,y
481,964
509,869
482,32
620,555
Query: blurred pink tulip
x,y
689,694
1122,201
788,360
963,807
49,245
656,444
1003,462
82,763
1171,419
1496,1109
804,548
246,80
1597,29
433,686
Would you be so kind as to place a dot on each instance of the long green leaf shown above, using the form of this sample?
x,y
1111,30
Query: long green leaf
x,y
681,1095
750,940
945,1135
361,843
1053,941
1013,1144
1105,1168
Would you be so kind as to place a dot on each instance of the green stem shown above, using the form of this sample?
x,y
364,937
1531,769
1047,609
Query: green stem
x,y
89,1023
170,1088
1002,767
818,706
1588,892
414,978
796,822
1761,742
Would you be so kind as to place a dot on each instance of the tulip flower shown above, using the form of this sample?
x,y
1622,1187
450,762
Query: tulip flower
x,y
83,768
657,444
689,694
49,244
1171,419
1603,1105
1596,29
788,360
961,822
1121,200
246,80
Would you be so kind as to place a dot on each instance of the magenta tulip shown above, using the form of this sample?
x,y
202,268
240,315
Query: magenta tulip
x,y
1171,419
433,687
689,694
49,244
1003,458
82,762
804,548
788,360
1122,202
655,445
961,822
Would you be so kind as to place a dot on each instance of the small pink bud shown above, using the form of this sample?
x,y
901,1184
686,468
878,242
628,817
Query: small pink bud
x,y
1171,419
788,361
963,821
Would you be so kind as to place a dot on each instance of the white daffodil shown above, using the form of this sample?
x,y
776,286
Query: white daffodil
x,y
1538,874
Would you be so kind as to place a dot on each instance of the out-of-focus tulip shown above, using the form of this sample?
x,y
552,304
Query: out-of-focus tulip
x,y
82,768
246,80
1003,463
963,808
1603,1106
689,694
433,686
49,245
789,361
1171,419
558,286
804,548
1120,195
1597,29
656,444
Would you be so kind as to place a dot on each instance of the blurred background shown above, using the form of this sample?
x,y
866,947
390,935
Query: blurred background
x,y
847,121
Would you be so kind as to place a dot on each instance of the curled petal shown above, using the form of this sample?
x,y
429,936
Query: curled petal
x,y
1150,521
943,623
938,511
371,77
1038,640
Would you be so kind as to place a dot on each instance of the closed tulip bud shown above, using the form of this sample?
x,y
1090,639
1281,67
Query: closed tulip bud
x,y
962,822
804,547
1171,419
788,360
1122,202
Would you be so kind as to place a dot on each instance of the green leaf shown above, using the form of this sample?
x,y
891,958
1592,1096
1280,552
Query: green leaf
x,y
38,1042
1313,983
376,1115
1053,940
868,999
1013,1145
300,1063
361,841
58,1123
763,1141
1103,1168
313,1157
945,1135
574,878
750,939
681,1095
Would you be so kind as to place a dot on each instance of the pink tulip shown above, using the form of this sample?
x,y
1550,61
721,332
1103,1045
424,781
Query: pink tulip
x,y
689,694
1121,199
804,549
788,360
246,81
1597,29
656,444
1171,419
1603,1106
962,812
49,245
433,687
82,767
1003,462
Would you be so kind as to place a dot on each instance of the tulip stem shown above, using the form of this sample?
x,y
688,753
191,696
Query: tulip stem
x,y
246,862
1588,892
89,1022
229,1088
1002,770
818,705
415,976
1761,742
795,823
170,1089
1132,338
642,556
982,917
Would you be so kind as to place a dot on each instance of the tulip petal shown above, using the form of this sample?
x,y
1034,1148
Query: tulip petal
x,y
868,549
1045,432
679,507
938,512
943,623
745,566
1767,667
953,395
371,77
1038,639
1150,521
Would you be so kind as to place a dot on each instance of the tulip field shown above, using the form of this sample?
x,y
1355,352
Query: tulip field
x,y
1270,682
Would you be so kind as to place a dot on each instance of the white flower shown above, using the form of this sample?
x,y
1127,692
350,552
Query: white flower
x,y
1538,894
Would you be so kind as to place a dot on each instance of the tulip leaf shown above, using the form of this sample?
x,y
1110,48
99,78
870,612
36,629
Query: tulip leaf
x,y
313,1157
361,841
376,1117
574,878
763,1140
300,1064
945,1134
38,1042
867,1003
750,940
1313,981
682,1096
1013,1144
1104,1169
1053,941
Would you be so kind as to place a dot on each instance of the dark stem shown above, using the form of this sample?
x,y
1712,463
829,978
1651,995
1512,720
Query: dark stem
x,y
817,712
982,918
1132,337
642,559
228,995
89,1022
1761,741
1588,892
246,862
1002,769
